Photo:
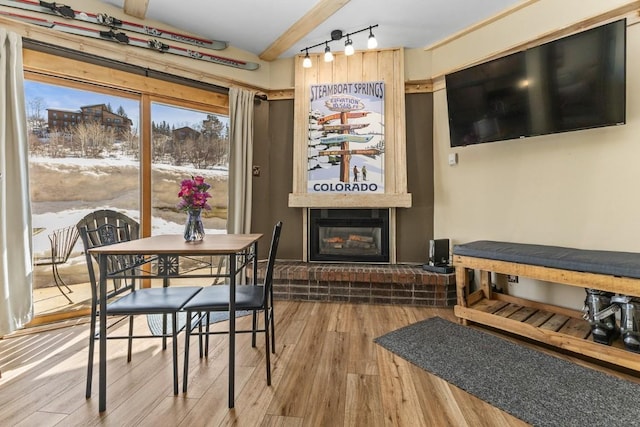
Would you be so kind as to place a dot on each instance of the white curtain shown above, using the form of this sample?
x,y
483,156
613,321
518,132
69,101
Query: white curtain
x,y
16,271
240,159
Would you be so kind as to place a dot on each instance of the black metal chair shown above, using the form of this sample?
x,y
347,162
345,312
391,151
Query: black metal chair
x,y
62,241
253,297
106,227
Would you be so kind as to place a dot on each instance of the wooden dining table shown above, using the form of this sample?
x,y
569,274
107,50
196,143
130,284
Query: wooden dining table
x,y
160,258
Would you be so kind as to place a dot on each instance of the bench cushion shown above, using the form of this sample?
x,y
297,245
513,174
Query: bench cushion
x,y
623,264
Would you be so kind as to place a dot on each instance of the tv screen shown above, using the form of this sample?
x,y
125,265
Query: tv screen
x,y
576,82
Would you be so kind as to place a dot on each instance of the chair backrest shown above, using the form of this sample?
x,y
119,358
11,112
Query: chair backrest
x,y
275,240
106,227
63,241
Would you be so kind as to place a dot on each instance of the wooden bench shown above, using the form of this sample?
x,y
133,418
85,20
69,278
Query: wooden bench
x,y
616,272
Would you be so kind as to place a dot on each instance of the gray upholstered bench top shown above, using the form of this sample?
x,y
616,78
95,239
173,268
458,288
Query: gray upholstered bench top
x,y
623,264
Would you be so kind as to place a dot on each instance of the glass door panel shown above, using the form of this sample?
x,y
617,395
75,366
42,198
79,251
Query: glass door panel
x,y
187,143
84,153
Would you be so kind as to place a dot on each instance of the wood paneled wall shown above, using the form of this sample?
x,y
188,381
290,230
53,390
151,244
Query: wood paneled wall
x,y
381,65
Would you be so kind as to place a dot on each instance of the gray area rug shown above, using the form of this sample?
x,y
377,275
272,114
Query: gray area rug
x,y
155,320
540,389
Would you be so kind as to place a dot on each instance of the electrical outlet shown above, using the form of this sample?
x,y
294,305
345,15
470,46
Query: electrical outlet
x,y
512,279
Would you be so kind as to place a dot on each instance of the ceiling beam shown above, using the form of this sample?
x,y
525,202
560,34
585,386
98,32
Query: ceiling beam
x,y
136,8
320,12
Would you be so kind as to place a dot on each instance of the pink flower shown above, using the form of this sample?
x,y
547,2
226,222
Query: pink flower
x,y
193,194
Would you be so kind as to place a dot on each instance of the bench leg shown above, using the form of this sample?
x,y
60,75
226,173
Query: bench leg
x,y
462,289
485,283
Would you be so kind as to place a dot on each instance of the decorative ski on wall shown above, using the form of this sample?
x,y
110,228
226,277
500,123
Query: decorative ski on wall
x,y
123,38
103,19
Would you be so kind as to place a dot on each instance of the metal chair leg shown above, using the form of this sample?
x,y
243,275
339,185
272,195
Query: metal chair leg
x,y
58,281
187,334
273,330
174,336
254,327
266,346
92,345
200,344
130,340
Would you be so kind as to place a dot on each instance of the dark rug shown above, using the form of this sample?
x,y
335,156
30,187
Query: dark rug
x,y
538,388
155,320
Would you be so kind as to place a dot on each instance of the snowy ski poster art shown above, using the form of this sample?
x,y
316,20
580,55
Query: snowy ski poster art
x,y
346,138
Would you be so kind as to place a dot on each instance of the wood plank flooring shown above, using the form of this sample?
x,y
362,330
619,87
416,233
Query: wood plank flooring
x,y
327,371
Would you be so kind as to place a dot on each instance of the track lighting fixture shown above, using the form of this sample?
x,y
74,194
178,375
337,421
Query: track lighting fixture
x,y
349,49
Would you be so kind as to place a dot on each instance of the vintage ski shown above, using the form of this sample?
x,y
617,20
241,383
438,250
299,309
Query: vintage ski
x,y
103,19
123,38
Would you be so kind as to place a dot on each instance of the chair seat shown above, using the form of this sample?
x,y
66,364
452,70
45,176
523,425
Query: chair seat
x,y
153,300
216,298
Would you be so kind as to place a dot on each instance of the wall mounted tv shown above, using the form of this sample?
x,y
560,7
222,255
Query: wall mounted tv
x,y
577,82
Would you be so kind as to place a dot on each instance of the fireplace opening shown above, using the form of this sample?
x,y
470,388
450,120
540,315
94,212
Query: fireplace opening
x,y
349,235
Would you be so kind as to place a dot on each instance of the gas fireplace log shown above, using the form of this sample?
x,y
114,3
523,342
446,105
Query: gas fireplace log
x,y
361,238
357,244
334,239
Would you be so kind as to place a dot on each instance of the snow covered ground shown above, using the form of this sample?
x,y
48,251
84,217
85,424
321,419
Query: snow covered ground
x,y
69,194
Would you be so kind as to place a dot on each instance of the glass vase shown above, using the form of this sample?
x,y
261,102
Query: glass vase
x,y
194,229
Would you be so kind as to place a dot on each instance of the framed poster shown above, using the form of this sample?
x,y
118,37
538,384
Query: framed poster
x,y
346,138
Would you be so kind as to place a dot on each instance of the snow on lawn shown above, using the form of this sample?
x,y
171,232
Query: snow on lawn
x,y
54,219
123,161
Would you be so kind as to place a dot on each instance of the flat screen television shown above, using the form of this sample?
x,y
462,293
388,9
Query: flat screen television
x,y
577,82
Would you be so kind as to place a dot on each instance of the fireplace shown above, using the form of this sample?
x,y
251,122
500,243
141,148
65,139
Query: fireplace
x,y
349,235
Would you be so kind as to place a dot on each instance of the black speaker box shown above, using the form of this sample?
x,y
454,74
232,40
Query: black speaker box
x,y
439,252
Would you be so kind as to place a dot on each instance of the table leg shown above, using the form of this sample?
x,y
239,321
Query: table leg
x,y
102,386
165,284
232,327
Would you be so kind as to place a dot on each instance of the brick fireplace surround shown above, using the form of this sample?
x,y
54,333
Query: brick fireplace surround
x,y
362,283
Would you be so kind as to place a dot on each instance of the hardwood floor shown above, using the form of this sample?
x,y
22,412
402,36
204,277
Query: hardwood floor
x,y
327,371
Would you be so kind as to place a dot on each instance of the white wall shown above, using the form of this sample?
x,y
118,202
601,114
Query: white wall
x,y
577,189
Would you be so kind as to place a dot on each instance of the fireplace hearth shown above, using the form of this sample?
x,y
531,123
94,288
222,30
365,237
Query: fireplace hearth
x,y
361,283
349,235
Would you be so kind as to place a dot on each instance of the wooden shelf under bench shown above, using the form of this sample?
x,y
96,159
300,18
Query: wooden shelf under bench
x,y
558,326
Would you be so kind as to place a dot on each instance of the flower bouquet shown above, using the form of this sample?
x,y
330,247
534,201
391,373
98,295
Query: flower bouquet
x,y
193,198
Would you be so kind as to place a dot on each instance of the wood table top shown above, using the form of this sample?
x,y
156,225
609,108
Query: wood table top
x,y
175,244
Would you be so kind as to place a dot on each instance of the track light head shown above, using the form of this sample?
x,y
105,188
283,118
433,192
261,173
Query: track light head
x,y
372,43
348,47
328,56
306,62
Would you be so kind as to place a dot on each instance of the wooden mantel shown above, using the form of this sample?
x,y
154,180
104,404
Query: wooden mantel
x,y
341,200
385,65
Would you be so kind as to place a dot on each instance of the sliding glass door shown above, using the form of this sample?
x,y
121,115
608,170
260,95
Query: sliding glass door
x,y
90,149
